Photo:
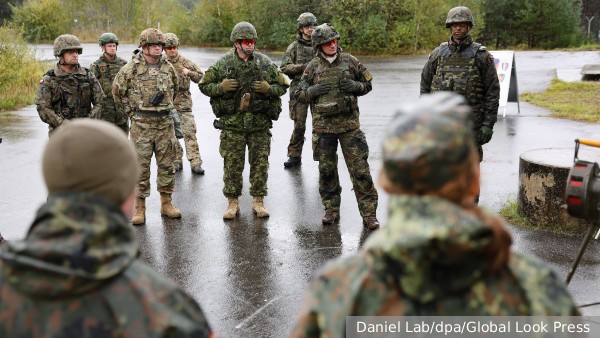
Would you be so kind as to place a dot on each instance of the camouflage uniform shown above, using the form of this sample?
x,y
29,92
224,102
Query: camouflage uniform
x,y
76,274
436,256
151,126
183,103
335,118
244,129
297,55
105,71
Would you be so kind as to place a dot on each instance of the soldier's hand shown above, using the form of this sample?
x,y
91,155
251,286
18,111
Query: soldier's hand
x,y
484,135
261,87
350,86
317,90
229,85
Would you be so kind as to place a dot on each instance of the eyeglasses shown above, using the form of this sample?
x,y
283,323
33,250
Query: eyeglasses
x,y
247,42
171,48
330,43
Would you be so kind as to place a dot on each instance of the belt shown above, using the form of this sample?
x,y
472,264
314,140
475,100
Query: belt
x,y
153,114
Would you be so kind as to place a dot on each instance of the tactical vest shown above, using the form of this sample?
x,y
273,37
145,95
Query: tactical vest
x,y
183,101
107,72
458,72
304,53
151,82
335,101
262,108
74,94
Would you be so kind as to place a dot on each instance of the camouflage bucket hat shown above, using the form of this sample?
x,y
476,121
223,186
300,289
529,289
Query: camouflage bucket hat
x,y
323,34
460,14
151,35
307,19
66,42
171,40
108,38
243,31
429,143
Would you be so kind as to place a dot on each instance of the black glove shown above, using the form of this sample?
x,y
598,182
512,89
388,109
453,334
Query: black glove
x,y
350,86
318,90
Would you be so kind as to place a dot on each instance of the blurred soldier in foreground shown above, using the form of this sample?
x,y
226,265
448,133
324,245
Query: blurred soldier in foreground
x,y
439,253
332,83
146,87
244,87
467,68
105,69
296,57
76,273
68,91
186,71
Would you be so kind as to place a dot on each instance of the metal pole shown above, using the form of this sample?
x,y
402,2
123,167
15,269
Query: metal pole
x,y
582,248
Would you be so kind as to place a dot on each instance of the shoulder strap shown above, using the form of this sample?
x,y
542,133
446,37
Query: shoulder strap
x,y
51,73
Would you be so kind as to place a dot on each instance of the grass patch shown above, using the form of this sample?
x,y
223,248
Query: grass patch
x,y
511,214
578,101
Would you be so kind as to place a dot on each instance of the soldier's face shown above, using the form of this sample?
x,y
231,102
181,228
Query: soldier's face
x,y
329,48
307,32
110,49
153,50
69,57
171,51
459,30
246,45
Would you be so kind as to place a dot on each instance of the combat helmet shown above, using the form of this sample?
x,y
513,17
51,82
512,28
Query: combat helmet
x,y
460,14
307,19
108,38
66,42
151,35
429,143
171,40
324,33
243,31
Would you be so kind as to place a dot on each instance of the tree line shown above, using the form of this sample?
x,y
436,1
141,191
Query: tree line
x,y
369,26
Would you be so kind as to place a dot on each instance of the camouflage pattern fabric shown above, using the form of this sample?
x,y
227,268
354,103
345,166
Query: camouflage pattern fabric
x,y
429,260
64,96
106,71
183,104
76,275
296,57
356,152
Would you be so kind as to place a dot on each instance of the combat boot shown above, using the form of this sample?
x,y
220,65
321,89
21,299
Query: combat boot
x,y
196,167
371,222
233,209
330,217
139,217
259,208
167,208
292,161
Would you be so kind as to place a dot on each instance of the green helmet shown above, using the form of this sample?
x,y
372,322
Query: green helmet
x,y
108,38
243,31
171,40
151,35
460,14
324,33
66,42
428,143
307,19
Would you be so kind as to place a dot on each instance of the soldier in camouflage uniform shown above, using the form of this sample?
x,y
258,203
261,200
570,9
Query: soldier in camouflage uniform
x,y
186,71
465,67
331,84
439,253
146,88
76,273
105,69
296,57
68,91
244,87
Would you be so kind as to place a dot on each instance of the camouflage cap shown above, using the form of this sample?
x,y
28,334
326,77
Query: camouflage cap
x,y
323,34
307,19
460,14
428,143
151,35
66,42
108,38
243,31
171,40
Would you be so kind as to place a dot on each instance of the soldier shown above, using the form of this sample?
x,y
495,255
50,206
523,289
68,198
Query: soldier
x,y
439,253
76,273
105,69
465,67
68,91
146,88
331,83
244,87
186,71
296,57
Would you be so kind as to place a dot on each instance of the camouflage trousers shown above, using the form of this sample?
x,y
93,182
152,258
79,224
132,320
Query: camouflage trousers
x,y
154,135
356,152
298,113
110,113
192,151
233,150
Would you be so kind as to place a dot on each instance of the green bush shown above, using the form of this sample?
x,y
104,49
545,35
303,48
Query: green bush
x,y
39,21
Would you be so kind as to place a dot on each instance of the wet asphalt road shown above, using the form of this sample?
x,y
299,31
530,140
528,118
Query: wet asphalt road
x,y
249,274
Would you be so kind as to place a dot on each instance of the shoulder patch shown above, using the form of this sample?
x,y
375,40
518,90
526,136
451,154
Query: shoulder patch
x,y
368,76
